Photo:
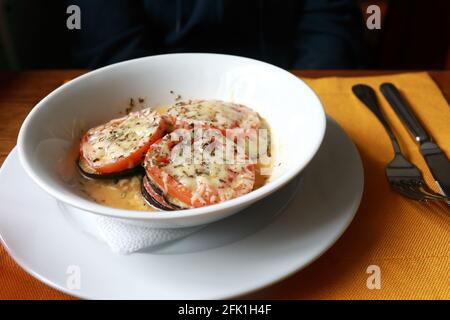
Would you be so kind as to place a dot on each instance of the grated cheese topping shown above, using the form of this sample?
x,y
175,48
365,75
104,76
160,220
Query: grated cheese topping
x,y
119,138
210,180
214,113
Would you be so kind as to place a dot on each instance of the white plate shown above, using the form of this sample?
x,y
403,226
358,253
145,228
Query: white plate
x,y
231,257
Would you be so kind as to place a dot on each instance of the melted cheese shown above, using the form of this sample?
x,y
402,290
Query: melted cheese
x,y
120,137
210,180
214,113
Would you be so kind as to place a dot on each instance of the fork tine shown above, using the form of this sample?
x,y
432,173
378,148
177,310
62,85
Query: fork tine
x,y
415,186
419,186
412,191
408,195
428,190
400,188
417,191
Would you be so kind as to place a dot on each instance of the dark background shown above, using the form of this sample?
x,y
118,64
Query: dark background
x,y
414,35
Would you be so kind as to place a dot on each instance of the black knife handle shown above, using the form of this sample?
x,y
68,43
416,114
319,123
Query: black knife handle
x,y
403,111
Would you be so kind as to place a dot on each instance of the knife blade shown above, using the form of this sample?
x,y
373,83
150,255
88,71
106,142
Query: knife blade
x,y
435,158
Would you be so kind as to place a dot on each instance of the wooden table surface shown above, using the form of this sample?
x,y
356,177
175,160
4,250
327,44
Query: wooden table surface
x,y
20,91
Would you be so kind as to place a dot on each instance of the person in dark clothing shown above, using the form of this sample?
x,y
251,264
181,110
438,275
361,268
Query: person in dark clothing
x,y
300,34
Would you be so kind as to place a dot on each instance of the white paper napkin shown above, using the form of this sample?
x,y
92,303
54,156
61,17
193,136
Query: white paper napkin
x,y
124,238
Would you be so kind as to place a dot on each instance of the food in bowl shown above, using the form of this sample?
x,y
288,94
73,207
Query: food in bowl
x,y
189,155
55,125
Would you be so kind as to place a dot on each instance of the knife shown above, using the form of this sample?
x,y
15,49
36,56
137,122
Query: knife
x,y
436,160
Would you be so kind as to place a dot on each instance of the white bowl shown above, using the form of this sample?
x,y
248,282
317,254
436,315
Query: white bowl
x,y
291,108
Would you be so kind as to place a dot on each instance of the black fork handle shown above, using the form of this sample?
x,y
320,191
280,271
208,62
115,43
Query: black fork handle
x,y
403,111
367,96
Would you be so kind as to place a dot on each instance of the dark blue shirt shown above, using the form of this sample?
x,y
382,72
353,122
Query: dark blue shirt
x,y
308,34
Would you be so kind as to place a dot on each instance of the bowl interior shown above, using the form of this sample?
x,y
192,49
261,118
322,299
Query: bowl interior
x,y
55,125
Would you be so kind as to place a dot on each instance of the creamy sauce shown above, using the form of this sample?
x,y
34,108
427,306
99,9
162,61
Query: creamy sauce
x,y
122,193
125,193
261,179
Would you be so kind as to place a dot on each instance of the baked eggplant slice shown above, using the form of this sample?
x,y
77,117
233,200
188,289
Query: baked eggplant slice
x,y
153,196
88,172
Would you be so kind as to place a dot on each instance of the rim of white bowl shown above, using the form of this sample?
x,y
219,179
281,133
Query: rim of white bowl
x,y
90,206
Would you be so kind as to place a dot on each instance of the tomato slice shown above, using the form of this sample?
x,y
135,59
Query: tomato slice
x,y
196,183
171,186
121,144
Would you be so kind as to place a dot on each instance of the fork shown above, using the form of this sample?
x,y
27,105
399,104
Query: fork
x,y
403,176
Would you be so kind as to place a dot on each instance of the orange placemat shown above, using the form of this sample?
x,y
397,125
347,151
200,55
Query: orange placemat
x,y
408,241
